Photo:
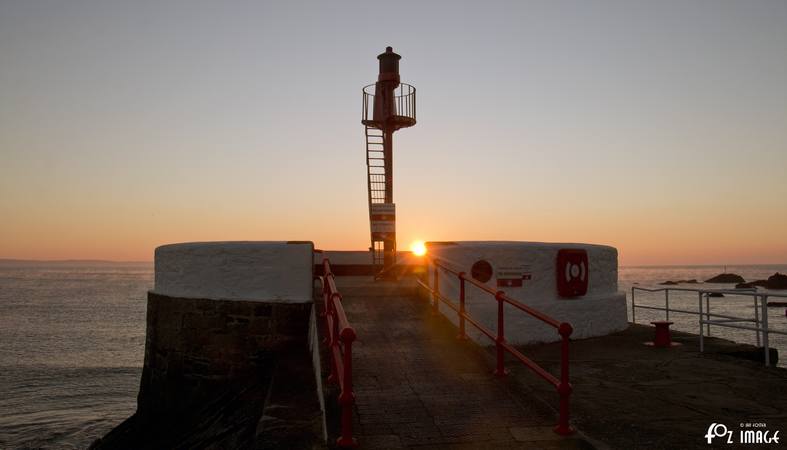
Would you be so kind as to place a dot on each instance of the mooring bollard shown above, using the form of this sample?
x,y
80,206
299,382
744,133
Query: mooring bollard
x,y
662,337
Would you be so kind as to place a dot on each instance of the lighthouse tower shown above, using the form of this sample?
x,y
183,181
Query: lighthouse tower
x,y
388,105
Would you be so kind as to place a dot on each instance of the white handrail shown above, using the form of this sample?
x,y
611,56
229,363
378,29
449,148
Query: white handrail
x,y
760,312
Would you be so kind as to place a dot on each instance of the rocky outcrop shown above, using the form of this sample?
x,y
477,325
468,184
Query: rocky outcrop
x,y
776,281
673,283
752,284
726,278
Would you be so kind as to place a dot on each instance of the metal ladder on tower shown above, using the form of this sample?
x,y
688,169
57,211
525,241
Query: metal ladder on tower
x,y
376,170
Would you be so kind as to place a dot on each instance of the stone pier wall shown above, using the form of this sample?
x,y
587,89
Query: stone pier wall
x,y
198,349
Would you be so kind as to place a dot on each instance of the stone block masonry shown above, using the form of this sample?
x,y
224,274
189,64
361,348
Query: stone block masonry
x,y
197,348
227,359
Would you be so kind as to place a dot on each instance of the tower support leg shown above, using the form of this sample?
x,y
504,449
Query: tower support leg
x,y
389,245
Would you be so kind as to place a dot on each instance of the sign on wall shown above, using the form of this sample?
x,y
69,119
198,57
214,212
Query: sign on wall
x,y
512,276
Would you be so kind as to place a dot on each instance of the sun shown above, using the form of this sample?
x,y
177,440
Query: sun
x,y
418,248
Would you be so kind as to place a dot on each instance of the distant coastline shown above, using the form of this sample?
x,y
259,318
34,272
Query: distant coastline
x,y
71,262
688,266
19,261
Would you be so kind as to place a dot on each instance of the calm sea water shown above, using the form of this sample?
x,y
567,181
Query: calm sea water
x,y
72,342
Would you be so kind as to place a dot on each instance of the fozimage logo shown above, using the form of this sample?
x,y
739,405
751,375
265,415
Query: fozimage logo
x,y
718,430
749,433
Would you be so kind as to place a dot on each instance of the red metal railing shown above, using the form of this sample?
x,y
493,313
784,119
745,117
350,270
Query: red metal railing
x,y
340,337
564,329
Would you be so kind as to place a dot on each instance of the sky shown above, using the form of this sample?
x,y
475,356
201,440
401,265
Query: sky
x,y
659,128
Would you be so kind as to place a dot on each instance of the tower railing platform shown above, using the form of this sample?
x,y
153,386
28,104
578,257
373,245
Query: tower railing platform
x,y
403,114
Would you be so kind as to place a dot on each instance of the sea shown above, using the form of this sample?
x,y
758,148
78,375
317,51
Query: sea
x,y
72,337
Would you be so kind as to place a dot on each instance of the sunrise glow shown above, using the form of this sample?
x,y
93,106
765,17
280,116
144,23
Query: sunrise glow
x,y
418,248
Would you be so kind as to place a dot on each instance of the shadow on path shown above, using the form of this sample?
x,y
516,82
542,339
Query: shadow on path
x,y
417,386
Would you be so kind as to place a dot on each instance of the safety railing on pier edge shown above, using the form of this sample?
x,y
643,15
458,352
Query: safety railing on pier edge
x,y
760,318
339,339
564,329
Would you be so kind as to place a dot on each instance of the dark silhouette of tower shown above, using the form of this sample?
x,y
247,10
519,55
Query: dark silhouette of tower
x,y
388,105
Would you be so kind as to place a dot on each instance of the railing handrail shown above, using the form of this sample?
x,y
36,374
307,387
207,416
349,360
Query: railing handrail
x,y
410,89
403,100
515,303
760,319
564,329
749,292
338,330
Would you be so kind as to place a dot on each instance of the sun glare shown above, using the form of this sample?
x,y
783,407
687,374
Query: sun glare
x,y
418,248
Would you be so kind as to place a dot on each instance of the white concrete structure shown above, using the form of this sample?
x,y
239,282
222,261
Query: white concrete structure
x,y
602,310
258,271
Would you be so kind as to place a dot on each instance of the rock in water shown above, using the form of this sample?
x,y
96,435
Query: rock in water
x,y
752,284
726,278
777,281
673,283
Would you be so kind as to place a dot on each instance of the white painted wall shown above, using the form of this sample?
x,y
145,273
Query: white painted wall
x,y
601,311
262,271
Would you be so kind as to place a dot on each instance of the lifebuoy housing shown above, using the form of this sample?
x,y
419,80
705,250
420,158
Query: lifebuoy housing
x,y
572,272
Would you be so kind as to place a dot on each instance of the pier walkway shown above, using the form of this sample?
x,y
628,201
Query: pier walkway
x,y
417,387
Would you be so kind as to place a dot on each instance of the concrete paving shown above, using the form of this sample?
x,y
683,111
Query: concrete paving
x,y
416,386
628,395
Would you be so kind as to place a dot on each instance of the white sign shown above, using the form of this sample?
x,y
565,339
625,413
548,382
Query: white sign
x,y
383,209
379,226
514,272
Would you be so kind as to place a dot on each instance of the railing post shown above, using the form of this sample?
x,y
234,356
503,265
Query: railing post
x,y
666,302
436,293
563,427
333,338
462,334
347,397
326,309
633,307
500,370
707,313
702,336
765,343
757,318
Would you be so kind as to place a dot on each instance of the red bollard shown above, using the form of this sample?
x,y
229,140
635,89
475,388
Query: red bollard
x,y
662,338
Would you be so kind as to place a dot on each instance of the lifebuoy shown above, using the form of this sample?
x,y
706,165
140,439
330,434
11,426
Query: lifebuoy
x,y
572,272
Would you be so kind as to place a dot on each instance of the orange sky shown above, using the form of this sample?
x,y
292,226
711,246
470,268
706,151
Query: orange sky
x,y
658,129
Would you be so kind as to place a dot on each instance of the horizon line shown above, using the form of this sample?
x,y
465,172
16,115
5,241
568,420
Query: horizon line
x,y
151,261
